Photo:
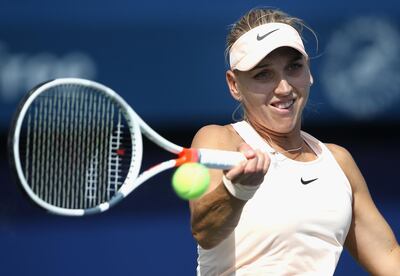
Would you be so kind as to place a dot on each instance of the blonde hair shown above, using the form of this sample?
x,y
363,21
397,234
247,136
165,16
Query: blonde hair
x,y
259,16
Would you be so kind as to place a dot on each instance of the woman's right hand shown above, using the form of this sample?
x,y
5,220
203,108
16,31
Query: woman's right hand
x,y
250,172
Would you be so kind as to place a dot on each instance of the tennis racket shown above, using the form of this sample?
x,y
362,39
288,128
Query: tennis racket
x,y
76,147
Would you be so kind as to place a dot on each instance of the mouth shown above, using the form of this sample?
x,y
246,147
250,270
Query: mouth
x,y
283,105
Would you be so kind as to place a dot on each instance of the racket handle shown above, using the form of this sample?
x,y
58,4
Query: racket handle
x,y
219,159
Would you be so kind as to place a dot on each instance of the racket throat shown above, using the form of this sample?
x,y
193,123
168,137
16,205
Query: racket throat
x,y
187,156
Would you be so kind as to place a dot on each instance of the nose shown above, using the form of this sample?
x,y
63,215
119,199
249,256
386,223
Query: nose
x,y
283,88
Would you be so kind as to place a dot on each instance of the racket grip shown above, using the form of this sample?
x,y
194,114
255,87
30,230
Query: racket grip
x,y
219,159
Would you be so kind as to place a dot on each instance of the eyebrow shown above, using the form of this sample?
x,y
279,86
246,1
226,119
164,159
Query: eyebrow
x,y
295,58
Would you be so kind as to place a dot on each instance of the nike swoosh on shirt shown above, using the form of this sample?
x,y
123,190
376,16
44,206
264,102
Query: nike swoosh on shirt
x,y
305,182
265,35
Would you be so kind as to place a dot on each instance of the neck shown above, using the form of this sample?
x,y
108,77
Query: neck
x,y
291,142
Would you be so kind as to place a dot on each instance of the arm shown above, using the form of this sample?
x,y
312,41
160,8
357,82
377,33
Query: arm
x,y
370,239
215,215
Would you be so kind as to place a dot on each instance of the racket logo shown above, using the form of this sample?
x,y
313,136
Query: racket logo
x,y
120,152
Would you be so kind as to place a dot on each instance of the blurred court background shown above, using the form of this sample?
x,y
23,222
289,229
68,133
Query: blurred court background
x,y
166,58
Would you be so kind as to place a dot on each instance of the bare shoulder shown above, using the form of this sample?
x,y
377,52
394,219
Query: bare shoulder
x,y
348,165
216,136
341,154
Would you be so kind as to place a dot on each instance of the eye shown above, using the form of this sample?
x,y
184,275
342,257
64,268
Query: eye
x,y
295,66
263,75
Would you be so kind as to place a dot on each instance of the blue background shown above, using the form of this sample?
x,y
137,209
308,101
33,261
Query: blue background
x,y
166,58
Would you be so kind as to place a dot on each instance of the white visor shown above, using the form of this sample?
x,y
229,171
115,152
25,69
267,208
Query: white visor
x,y
256,44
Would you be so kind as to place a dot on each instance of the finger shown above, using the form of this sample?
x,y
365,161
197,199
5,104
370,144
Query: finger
x,y
252,171
256,164
251,165
267,163
233,173
246,150
260,161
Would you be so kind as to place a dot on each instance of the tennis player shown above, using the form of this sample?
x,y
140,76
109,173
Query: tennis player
x,y
292,206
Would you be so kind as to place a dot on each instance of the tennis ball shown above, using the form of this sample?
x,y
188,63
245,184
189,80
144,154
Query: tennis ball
x,y
191,180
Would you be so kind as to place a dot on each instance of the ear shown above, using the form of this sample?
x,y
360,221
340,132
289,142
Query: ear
x,y
231,80
311,79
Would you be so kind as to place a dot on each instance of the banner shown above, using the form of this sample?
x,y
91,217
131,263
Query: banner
x,y
171,66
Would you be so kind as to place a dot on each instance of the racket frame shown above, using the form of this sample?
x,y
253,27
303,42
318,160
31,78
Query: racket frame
x,y
210,158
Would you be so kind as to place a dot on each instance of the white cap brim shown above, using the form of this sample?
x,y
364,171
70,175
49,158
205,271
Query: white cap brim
x,y
256,44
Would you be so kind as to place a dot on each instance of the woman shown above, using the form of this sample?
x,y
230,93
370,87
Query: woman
x,y
295,202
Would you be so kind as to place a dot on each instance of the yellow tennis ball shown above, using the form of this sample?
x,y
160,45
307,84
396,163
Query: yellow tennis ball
x,y
191,180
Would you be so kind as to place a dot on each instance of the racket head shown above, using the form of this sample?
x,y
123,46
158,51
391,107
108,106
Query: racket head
x,y
73,144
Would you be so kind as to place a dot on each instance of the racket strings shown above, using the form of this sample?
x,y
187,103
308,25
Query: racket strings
x,y
78,147
114,181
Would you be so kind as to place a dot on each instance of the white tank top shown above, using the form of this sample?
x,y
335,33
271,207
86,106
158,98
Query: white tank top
x,y
295,224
